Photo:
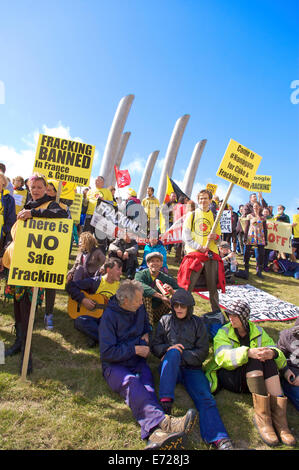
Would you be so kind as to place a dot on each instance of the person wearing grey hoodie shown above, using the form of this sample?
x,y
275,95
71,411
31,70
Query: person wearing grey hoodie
x,y
181,342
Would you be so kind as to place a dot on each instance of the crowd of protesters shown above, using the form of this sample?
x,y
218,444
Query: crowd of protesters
x,y
152,310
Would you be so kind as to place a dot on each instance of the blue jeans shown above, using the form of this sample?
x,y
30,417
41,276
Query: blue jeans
x,y
291,392
89,326
197,386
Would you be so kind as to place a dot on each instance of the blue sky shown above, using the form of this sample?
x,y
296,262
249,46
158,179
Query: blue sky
x,y
65,65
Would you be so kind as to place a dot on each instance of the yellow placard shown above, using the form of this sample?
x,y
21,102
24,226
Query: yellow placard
x,y
296,227
239,165
41,253
76,207
212,188
64,160
261,183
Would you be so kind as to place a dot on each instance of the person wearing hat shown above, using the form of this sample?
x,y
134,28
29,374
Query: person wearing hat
x,y
154,244
181,343
246,359
228,258
156,303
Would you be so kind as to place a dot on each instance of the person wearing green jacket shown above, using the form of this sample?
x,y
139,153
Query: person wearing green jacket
x,y
246,359
156,303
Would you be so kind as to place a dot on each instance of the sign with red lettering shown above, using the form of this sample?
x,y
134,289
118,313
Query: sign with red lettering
x,y
279,236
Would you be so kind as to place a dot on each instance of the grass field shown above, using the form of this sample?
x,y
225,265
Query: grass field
x,y
66,404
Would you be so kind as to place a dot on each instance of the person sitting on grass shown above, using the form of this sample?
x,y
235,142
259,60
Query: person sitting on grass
x,y
156,303
105,283
124,346
125,247
247,360
154,245
89,259
285,267
181,342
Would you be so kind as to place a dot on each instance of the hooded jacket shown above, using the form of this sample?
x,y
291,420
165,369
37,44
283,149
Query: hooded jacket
x,y
119,332
189,331
288,343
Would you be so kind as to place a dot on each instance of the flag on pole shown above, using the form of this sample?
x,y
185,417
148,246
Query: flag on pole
x,y
123,177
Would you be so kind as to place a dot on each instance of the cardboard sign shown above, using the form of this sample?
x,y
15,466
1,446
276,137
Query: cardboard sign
x,y
226,221
76,207
239,165
64,160
41,253
261,183
279,236
212,188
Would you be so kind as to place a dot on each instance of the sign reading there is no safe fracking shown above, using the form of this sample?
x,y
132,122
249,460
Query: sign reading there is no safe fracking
x,y
41,253
239,165
64,160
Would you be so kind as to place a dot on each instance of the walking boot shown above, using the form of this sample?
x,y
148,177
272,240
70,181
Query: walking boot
x,y
17,346
171,432
262,419
279,419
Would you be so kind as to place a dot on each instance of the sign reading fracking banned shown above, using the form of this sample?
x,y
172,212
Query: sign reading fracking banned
x,y
261,183
239,165
64,160
41,253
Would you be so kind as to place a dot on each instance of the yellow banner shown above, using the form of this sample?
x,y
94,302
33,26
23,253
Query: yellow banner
x,y
75,208
296,227
41,253
239,165
212,188
64,160
261,183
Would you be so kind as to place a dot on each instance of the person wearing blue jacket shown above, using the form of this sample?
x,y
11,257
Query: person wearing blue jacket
x,y
285,267
154,245
124,346
7,213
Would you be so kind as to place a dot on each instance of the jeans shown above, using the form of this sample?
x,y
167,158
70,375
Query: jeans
x,y
197,386
291,392
89,326
136,387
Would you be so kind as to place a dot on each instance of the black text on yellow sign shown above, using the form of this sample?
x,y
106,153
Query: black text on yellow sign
x,y
41,253
64,160
239,165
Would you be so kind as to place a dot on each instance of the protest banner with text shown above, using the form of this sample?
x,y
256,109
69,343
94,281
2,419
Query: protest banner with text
x,y
261,183
41,253
64,160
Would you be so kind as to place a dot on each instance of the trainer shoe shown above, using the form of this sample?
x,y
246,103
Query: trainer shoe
x,y
49,322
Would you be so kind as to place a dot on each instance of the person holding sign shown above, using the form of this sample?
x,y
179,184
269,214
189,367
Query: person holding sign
x,y
40,206
255,234
19,193
248,208
196,233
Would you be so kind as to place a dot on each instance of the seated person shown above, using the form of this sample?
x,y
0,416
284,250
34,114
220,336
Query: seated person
x,y
124,346
89,259
125,248
247,360
156,303
228,258
181,342
154,245
288,343
285,267
105,284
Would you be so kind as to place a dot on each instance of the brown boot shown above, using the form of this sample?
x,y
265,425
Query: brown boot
x,y
262,419
279,418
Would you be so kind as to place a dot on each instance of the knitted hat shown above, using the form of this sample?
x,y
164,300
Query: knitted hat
x,y
131,192
242,309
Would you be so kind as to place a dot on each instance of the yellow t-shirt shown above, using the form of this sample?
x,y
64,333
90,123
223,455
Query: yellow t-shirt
x,y
296,228
151,206
200,224
93,195
108,289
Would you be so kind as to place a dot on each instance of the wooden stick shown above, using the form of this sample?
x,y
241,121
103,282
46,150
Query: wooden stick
x,y
59,191
29,334
219,214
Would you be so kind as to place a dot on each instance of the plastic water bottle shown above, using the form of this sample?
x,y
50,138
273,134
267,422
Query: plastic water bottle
x,y
233,264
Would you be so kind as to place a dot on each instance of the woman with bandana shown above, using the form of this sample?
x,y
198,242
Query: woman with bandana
x,y
247,360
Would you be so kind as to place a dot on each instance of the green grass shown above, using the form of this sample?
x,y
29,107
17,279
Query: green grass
x,y
66,403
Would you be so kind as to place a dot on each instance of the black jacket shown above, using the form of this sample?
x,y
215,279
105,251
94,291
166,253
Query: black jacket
x,y
190,332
